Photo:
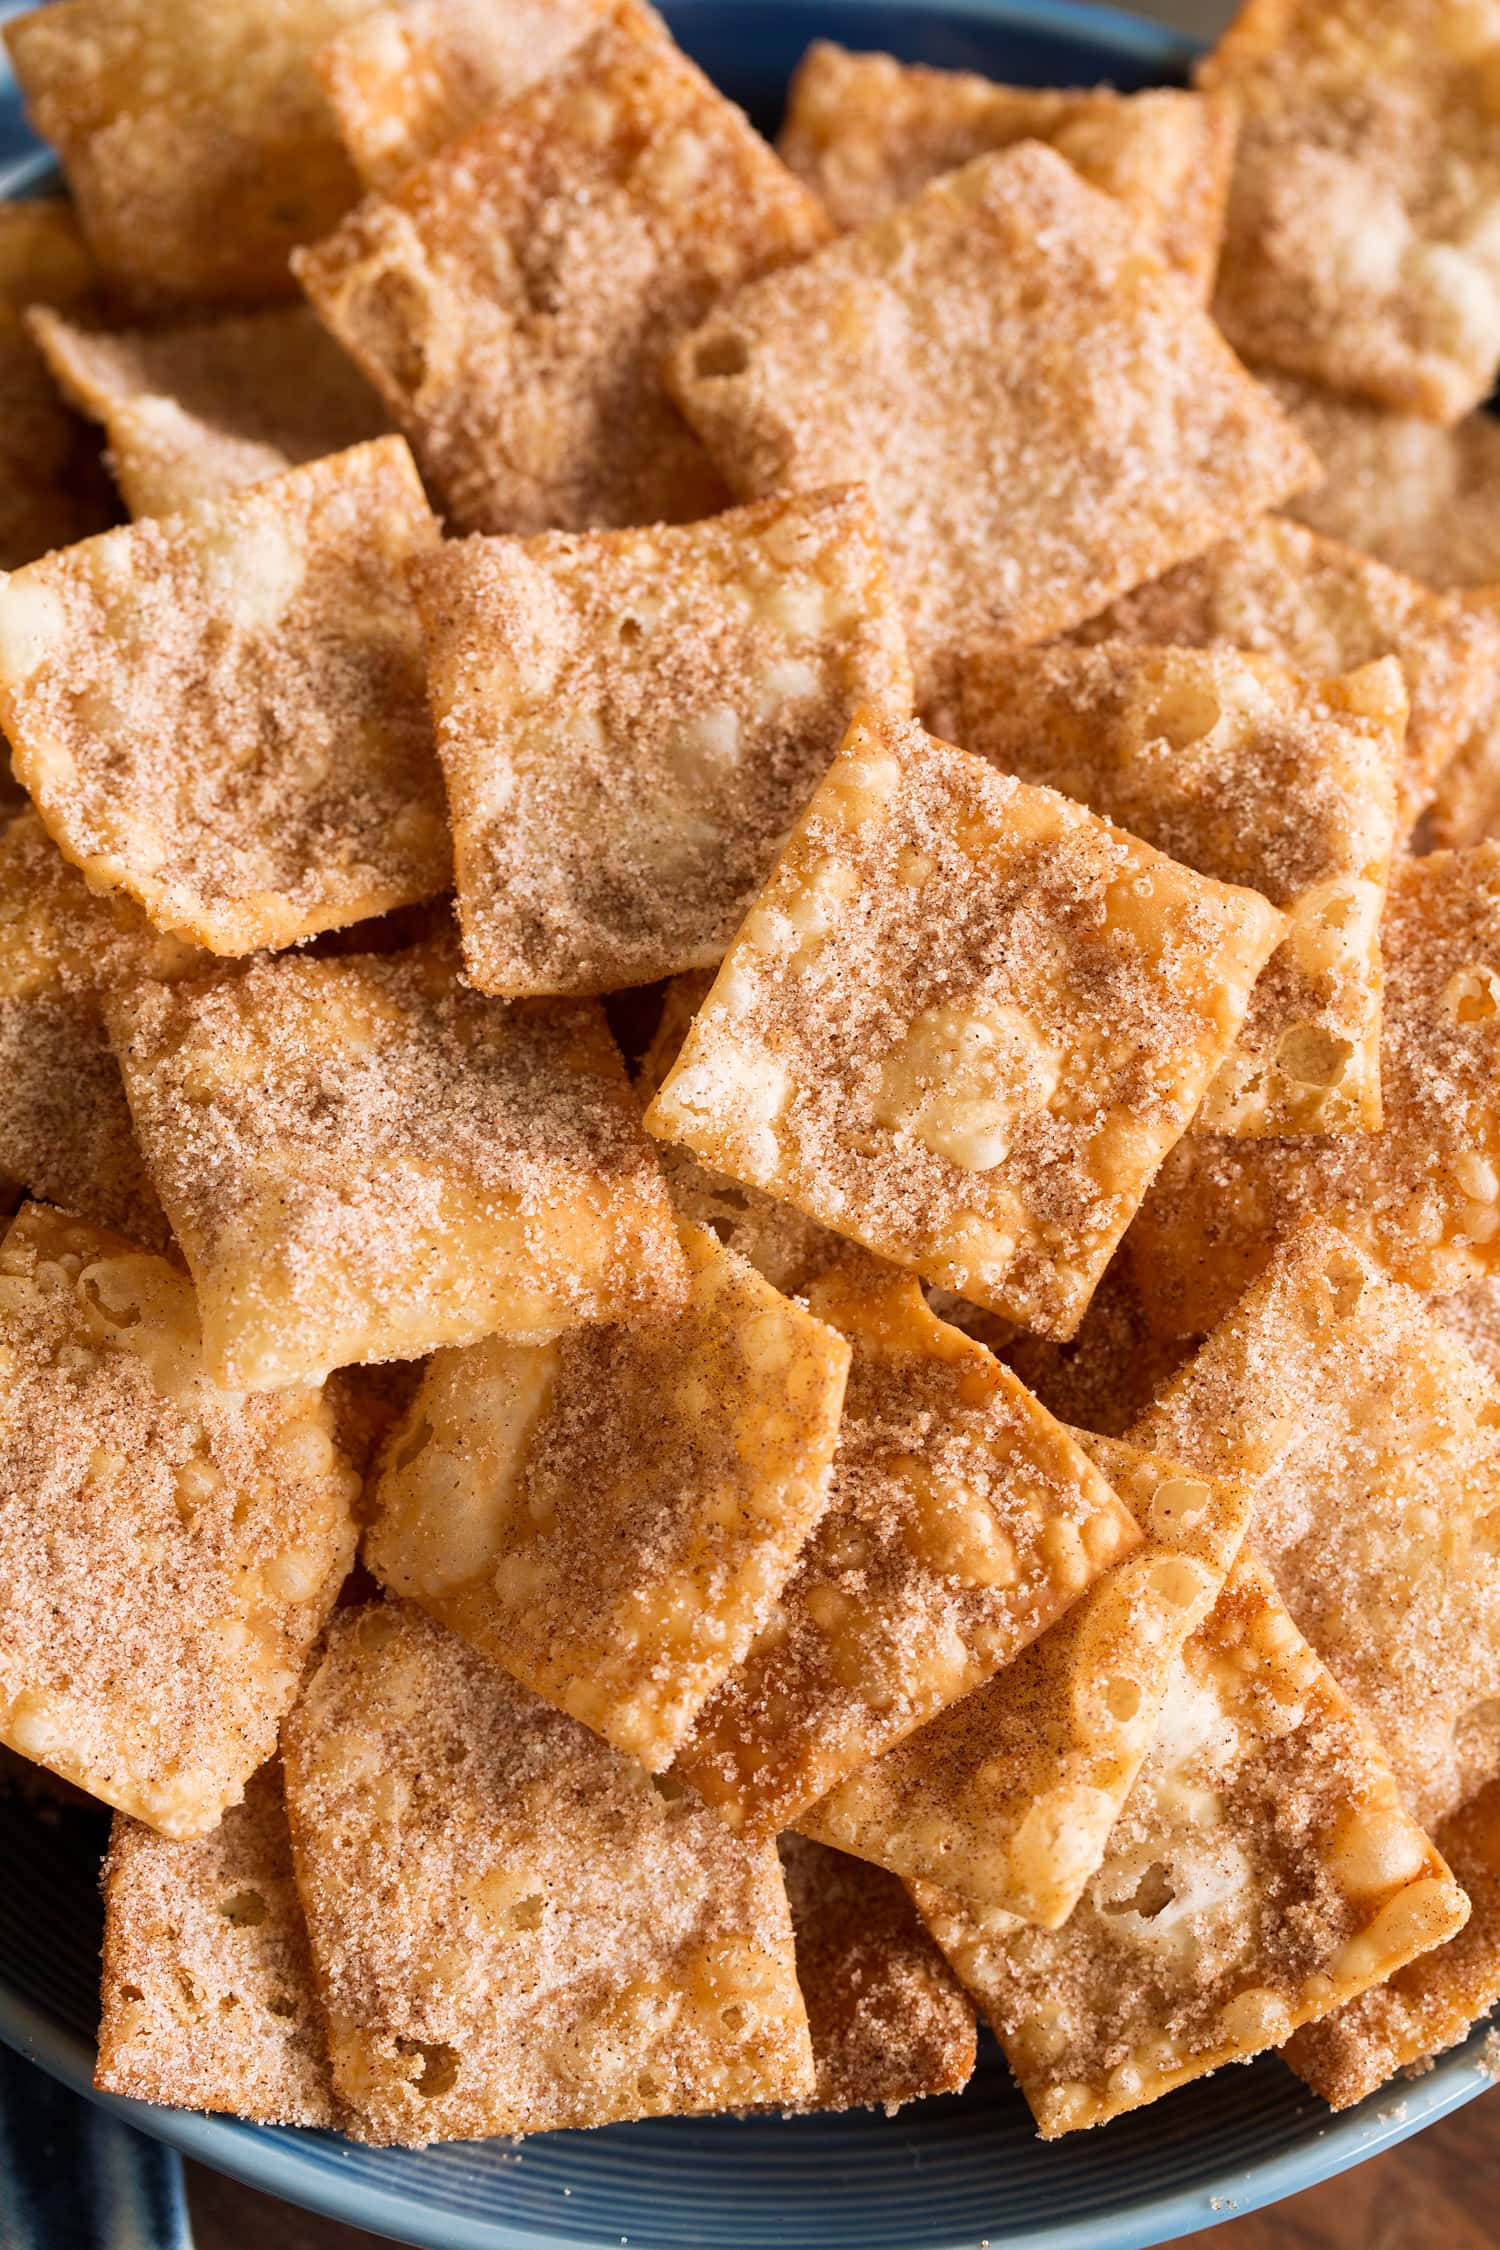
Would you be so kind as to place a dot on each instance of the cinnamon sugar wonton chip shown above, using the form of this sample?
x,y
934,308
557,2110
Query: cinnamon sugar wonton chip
x,y
868,132
1423,1196
1263,1871
511,300
191,412
1380,1513
1253,775
270,638
196,141
962,1521
1431,2003
1112,1365
1363,238
1041,414
404,81
52,487
1008,1798
364,1160
1318,607
208,1998
629,722
169,1550
890,2022
990,1109
513,1928
611,1516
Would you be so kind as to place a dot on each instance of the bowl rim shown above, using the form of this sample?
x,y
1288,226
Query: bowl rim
x,y
308,2171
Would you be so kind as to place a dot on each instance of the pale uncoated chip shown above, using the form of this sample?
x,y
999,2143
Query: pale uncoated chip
x,y
890,2022
1431,2003
513,1929
404,81
611,1517
1256,776
1041,413
1362,245
208,1998
191,412
1423,1196
1263,1871
511,300
1380,1517
962,1520
991,1109
169,1550
1007,1800
197,143
867,133
364,1160
630,721
52,487
222,711
1318,607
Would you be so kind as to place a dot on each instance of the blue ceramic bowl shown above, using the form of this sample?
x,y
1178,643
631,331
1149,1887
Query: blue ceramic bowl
x,y
963,2173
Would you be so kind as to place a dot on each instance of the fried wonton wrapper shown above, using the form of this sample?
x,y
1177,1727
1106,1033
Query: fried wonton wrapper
x,y
987,1110
1380,1515
890,2022
512,299
404,81
208,1997
53,489
1263,1871
962,1521
269,637
1362,245
1318,607
612,1516
1256,776
868,132
196,141
364,1160
1474,1314
630,721
1041,414
1431,2003
169,1550
65,1131
1423,1196
513,1928
1110,1369
1007,1799
192,412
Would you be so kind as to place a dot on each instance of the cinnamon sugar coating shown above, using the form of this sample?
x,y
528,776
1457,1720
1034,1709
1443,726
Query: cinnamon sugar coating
x,y
1317,607
169,1550
1256,776
1423,1196
404,81
52,487
191,412
1431,2003
990,1110
513,1928
1041,414
867,133
511,300
1378,1506
364,1160
269,637
1362,245
962,1520
890,2022
1008,1798
197,144
629,722
208,1997
1262,1872
612,1516
1111,1367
